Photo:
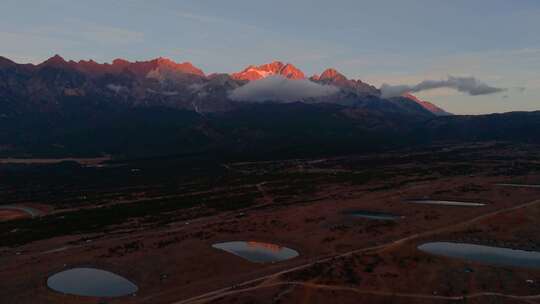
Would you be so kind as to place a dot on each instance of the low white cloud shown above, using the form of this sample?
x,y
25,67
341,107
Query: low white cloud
x,y
469,85
279,88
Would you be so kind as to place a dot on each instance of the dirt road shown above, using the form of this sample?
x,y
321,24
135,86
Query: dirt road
x,y
236,289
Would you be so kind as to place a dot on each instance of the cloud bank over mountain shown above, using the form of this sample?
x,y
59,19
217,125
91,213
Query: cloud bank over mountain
x,y
278,88
469,85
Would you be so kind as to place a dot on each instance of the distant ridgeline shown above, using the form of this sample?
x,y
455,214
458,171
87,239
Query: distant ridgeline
x,y
159,107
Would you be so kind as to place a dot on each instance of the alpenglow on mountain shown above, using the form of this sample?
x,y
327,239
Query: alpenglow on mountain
x,y
160,107
163,82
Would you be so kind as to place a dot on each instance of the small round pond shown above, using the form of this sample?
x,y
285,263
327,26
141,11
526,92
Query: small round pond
x,y
484,254
90,282
258,252
372,215
519,185
28,210
445,203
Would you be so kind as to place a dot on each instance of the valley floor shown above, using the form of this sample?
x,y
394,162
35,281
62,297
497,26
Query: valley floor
x,y
154,222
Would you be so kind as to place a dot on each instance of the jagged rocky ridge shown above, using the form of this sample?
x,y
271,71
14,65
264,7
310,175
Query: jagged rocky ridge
x,y
163,82
159,107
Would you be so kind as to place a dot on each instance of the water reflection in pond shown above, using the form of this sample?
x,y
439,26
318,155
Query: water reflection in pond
x,y
519,185
373,215
445,203
91,282
484,254
257,252
30,211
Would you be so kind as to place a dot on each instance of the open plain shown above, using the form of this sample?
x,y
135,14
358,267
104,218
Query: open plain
x,y
154,222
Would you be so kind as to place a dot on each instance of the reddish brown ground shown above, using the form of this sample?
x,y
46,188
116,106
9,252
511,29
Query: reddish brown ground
x,y
174,262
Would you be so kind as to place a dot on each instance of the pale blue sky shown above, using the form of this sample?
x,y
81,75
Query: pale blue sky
x,y
392,41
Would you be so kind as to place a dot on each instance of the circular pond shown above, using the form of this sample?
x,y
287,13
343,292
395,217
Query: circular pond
x,y
484,254
373,215
91,282
258,252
